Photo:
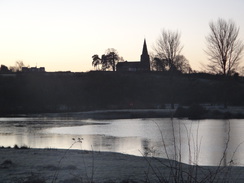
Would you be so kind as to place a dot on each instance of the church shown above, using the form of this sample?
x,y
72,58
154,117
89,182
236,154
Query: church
x,y
142,65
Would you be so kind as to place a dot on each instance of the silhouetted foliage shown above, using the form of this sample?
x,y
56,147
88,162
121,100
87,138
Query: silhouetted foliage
x,y
4,68
159,64
107,61
96,61
194,111
63,92
112,58
18,66
181,112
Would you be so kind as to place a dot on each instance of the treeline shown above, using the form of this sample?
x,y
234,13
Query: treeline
x,y
65,92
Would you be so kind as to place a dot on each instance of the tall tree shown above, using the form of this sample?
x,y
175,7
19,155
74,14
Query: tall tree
x,y
112,57
108,60
168,52
223,47
104,62
96,61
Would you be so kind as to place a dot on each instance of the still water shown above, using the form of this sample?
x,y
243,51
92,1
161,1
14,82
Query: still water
x,y
205,142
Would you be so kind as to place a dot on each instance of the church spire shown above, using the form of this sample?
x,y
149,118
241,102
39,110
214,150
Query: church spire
x,y
144,50
145,60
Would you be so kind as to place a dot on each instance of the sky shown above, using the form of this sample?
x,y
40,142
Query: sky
x,y
62,35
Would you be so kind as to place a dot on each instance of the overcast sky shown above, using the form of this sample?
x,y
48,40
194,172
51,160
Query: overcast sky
x,y
62,35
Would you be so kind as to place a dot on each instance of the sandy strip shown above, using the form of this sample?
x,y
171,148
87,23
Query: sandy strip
x,y
71,166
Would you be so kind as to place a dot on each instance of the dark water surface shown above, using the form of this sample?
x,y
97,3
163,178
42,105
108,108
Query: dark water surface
x,y
205,142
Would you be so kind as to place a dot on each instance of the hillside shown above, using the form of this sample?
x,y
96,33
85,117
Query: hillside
x,y
70,92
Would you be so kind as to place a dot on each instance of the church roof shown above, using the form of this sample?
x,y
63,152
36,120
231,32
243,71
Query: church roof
x,y
131,64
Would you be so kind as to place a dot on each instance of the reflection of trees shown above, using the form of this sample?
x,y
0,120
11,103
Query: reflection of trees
x,y
148,149
110,142
231,144
127,145
226,143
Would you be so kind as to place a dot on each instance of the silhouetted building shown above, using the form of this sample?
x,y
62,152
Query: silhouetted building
x,y
33,69
142,65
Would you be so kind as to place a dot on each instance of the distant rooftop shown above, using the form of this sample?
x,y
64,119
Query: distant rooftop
x,y
33,69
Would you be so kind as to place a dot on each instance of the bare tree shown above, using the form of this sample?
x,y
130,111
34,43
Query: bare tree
x,y
168,52
223,47
18,66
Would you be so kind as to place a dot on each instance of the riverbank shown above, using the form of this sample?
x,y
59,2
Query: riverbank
x,y
190,112
116,114
73,166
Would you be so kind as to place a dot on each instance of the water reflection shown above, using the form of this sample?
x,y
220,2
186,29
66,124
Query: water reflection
x,y
203,142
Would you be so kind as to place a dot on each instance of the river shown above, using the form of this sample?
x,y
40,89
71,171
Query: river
x,y
202,142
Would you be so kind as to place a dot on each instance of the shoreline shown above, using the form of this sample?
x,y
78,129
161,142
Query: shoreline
x,y
104,114
209,112
75,166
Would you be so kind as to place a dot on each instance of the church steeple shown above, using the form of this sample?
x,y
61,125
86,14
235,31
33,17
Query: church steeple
x,y
145,60
144,50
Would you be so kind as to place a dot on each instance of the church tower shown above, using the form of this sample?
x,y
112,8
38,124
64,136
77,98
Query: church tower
x,y
145,60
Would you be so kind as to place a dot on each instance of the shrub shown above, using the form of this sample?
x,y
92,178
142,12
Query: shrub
x,y
24,147
196,111
16,146
180,112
